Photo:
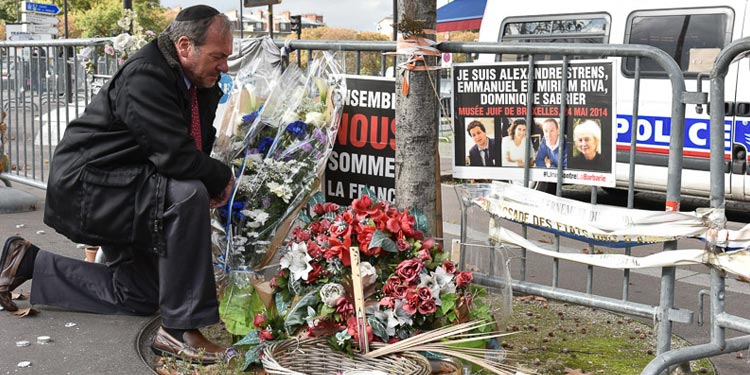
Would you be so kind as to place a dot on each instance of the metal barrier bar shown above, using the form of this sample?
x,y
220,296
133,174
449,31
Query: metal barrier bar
x,y
720,319
31,95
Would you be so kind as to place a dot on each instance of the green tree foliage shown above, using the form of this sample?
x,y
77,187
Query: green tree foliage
x,y
370,62
8,10
98,18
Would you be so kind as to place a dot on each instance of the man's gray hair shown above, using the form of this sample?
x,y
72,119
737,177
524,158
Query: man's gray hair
x,y
196,30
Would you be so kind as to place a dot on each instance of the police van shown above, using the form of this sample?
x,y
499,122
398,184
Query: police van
x,y
693,33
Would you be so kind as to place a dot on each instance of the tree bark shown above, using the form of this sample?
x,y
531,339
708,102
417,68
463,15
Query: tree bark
x,y
417,124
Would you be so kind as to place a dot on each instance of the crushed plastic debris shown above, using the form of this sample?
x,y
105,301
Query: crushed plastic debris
x,y
70,324
23,343
24,364
43,339
40,232
19,226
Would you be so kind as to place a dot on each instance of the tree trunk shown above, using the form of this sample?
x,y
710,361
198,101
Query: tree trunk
x,y
417,123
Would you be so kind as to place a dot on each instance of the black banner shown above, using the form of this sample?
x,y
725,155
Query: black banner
x,y
364,153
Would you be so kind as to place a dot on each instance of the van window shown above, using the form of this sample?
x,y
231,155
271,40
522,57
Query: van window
x,y
564,28
688,35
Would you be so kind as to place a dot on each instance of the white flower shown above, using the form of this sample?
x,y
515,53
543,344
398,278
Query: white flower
x,y
281,191
331,293
297,260
311,318
315,118
368,272
342,336
439,282
123,42
289,117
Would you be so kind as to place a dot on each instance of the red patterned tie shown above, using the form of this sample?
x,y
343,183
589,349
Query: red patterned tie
x,y
195,125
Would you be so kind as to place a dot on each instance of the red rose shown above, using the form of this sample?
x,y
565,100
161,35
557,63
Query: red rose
x,y
314,249
424,293
330,207
318,208
387,302
325,224
409,270
344,308
315,228
428,243
448,266
412,302
265,335
463,279
364,235
402,244
427,307
273,283
315,273
391,285
424,255
259,320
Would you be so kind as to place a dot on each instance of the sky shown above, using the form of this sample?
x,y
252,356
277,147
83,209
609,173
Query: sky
x,y
360,15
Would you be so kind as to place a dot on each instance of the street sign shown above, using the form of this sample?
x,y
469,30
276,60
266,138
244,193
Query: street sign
x,y
22,36
39,19
28,6
39,29
257,3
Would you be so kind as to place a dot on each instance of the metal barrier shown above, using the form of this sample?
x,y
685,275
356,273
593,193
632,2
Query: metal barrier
x,y
44,85
35,97
720,319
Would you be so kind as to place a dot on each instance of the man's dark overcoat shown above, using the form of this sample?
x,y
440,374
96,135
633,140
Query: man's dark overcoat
x,y
109,172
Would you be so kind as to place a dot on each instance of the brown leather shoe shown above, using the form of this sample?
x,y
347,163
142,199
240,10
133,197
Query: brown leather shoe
x,y
195,347
13,252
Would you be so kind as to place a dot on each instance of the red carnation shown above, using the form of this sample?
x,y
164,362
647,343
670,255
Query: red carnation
x,y
314,249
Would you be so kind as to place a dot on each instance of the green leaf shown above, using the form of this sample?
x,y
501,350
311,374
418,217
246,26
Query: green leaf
x,y
250,339
420,220
378,328
252,356
298,312
448,302
281,303
379,239
238,307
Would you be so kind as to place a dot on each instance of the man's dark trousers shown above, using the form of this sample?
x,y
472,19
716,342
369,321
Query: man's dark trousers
x,y
137,281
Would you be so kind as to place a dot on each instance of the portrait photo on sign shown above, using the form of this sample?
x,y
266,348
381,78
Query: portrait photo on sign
x,y
548,152
513,147
588,149
481,143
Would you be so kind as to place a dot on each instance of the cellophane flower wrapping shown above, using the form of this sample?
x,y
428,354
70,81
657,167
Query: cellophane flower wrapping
x,y
409,283
259,73
283,154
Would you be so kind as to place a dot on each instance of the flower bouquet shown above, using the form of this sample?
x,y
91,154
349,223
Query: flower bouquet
x,y
278,152
409,284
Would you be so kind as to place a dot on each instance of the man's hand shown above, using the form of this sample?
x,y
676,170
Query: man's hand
x,y
224,197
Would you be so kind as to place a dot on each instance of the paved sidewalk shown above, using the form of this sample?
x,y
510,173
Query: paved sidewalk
x,y
81,343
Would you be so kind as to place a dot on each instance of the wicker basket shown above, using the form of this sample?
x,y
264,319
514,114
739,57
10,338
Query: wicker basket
x,y
314,356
